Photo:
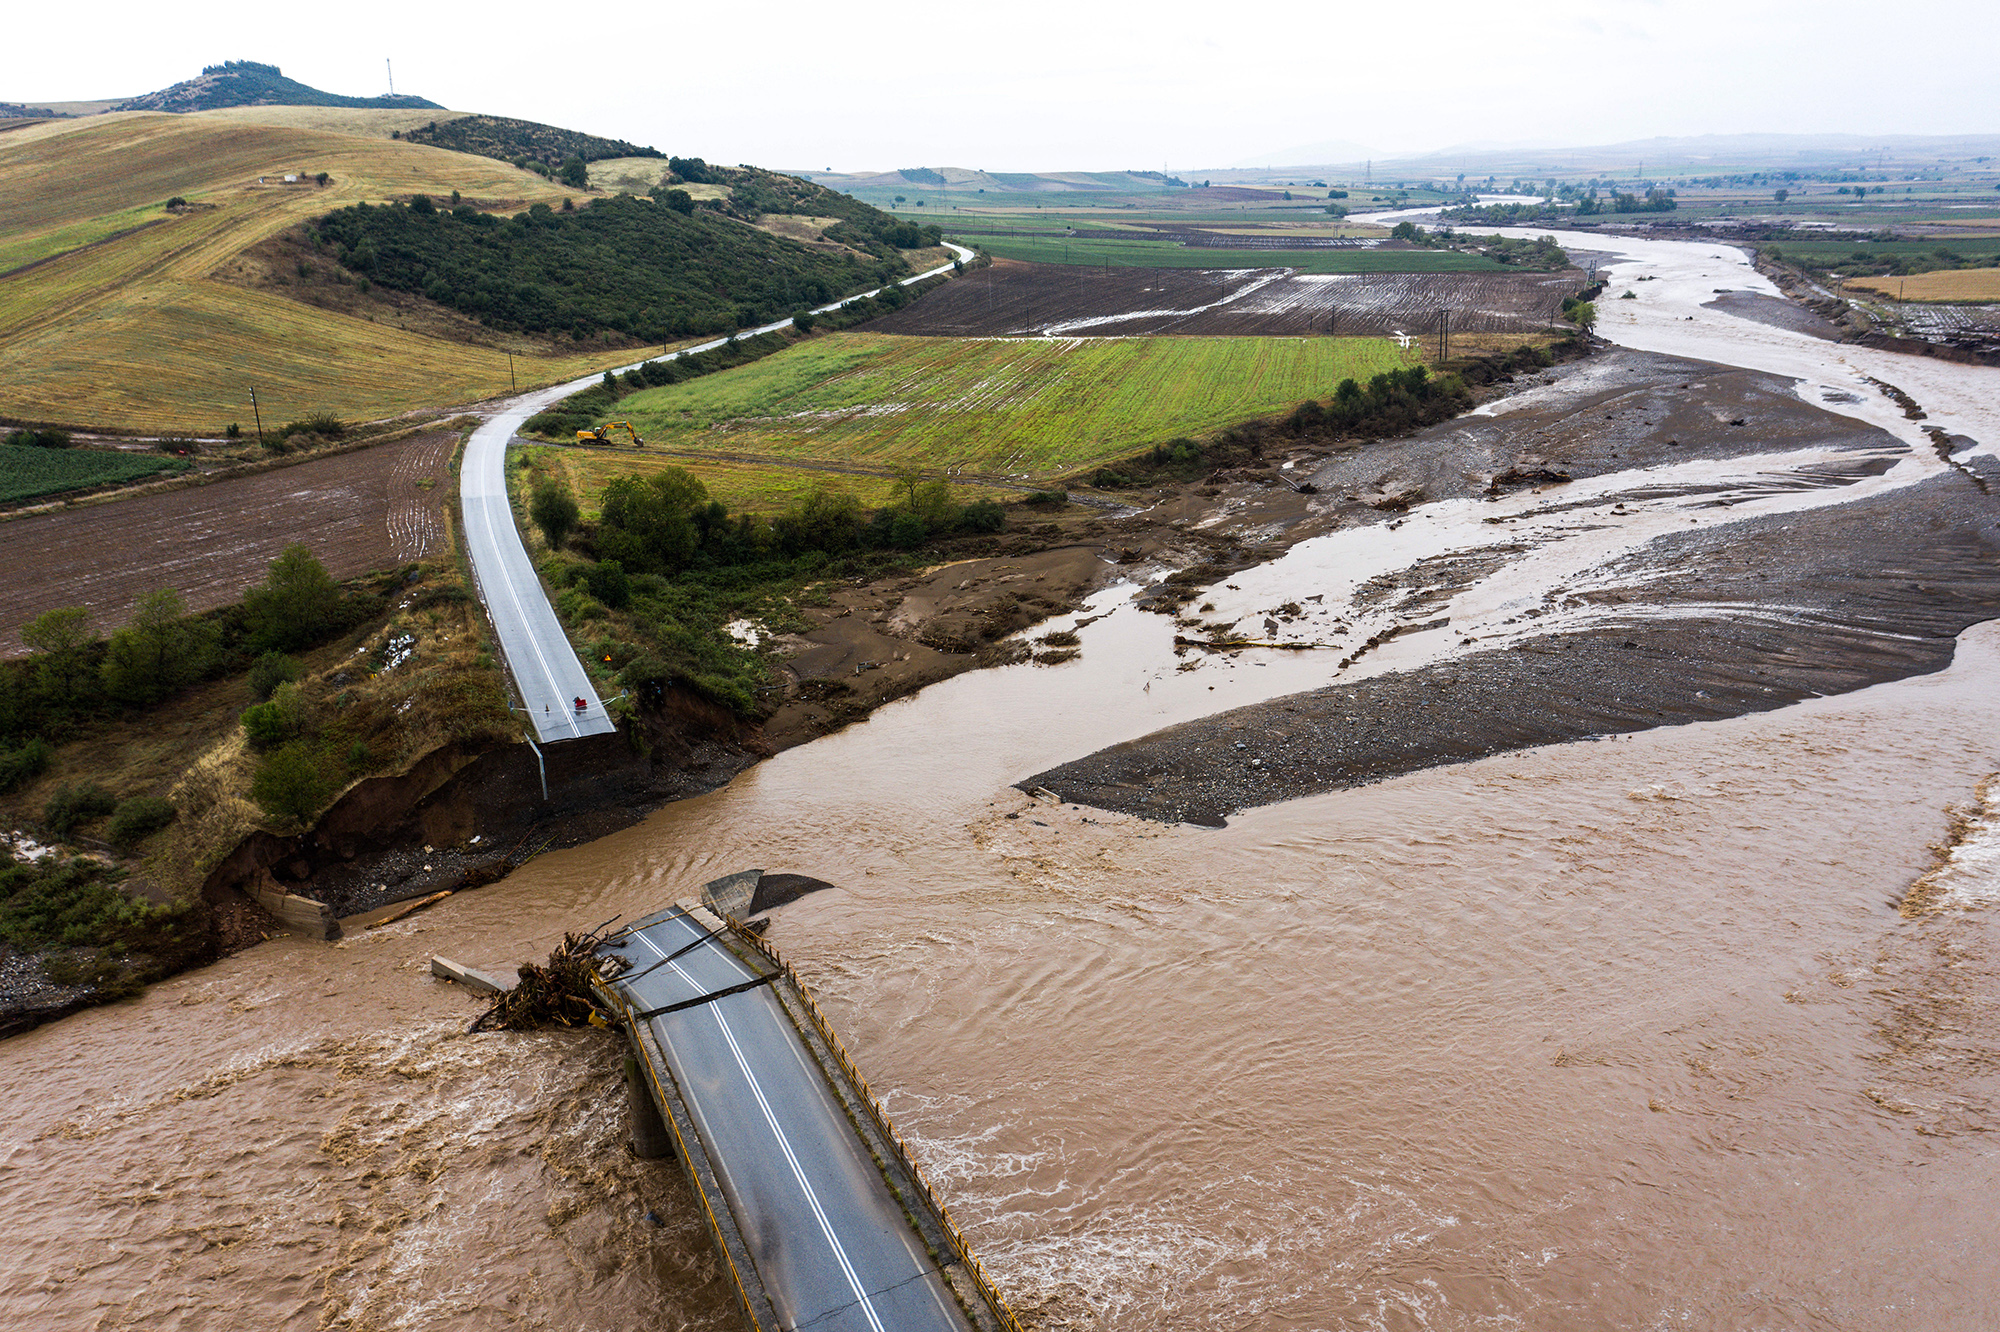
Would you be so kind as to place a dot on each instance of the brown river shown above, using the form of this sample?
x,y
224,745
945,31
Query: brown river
x,y
1623,1034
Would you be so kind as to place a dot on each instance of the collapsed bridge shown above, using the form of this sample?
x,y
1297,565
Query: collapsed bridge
x,y
823,1220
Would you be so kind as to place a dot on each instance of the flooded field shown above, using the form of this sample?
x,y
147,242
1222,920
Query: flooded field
x,y
1018,300
1624,1033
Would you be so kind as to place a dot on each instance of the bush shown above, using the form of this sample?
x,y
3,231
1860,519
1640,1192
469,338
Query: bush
x,y
1047,499
73,806
324,424
608,583
20,766
137,819
266,726
555,511
982,516
271,670
292,785
40,439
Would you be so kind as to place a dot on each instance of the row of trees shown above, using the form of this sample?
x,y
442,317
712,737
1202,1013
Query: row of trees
x,y
74,676
666,523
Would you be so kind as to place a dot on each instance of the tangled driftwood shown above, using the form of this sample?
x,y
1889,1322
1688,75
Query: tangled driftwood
x,y
558,994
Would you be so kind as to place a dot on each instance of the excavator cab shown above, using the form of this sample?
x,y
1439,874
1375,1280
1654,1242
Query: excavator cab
x,y
602,434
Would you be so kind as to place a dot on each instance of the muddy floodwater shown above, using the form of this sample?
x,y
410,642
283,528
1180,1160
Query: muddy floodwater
x,y
1622,1033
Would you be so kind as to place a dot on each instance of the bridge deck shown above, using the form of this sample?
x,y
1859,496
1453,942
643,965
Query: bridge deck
x,y
831,1244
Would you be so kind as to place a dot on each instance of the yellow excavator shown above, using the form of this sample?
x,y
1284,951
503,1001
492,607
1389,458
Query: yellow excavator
x,y
602,434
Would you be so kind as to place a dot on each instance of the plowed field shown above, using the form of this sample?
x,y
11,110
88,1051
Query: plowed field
x,y
356,511
1016,299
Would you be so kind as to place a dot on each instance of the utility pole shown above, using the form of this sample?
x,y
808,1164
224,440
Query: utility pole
x,y
1444,322
392,75
259,415
511,383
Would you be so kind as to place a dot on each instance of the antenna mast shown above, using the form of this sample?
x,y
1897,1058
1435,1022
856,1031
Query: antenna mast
x,y
392,75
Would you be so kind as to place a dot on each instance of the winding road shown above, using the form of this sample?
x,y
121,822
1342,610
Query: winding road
x,y
548,675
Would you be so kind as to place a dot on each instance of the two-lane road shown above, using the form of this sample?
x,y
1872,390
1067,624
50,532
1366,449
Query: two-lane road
x,y
830,1241
547,673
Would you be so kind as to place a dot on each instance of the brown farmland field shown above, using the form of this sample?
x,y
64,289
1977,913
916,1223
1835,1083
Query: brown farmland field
x,y
357,511
1948,284
1015,299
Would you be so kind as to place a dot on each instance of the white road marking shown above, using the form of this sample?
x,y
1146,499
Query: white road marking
x,y
784,1145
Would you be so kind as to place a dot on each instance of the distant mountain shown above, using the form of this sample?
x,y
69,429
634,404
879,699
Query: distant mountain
x,y
247,83
1708,152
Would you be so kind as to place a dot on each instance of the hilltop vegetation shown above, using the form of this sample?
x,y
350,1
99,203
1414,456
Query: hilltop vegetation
x,y
523,141
651,270
248,83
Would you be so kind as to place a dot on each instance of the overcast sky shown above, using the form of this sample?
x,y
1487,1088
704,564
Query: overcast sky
x,y
1078,84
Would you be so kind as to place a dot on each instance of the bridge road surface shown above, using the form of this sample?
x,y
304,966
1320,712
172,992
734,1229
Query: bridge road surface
x,y
547,672
829,1240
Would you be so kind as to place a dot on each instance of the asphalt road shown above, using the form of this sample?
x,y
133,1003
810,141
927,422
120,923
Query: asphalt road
x,y
828,1238
547,673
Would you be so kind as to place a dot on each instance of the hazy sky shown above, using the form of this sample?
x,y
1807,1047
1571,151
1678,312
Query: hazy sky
x,y
1079,84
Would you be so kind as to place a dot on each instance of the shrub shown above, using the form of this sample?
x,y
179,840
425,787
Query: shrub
x,y
292,784
983,516
73,806
608,583
324,424
554,510
1047,499
271,670
40,439
266,726
137,819
20,766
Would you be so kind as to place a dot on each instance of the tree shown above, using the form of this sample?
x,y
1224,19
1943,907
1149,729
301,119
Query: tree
x,y
1782,195
159,652
60,636
292,784
58,631
554,510
1584,315
576,173
297,605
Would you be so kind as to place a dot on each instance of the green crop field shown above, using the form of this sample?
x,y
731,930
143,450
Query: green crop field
x,y
1166,254
1034,406
1819,253
27,472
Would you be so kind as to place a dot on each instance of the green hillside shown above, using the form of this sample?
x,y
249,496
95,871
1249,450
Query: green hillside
x,y
654,270
521,141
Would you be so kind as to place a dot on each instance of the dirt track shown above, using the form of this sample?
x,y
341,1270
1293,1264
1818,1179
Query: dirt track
x,y
1012,299
357,511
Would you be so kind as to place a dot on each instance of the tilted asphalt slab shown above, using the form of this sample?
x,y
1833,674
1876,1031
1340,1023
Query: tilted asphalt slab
x,y
548,674
830,1241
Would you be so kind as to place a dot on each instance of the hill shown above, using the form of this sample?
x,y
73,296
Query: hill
x,y
247,83
117,311
523,141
